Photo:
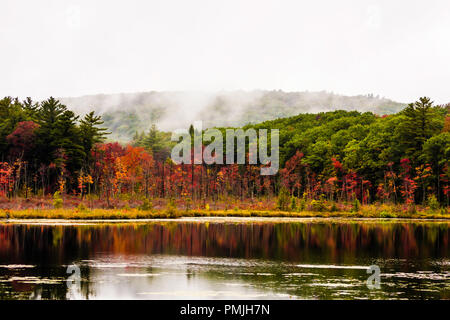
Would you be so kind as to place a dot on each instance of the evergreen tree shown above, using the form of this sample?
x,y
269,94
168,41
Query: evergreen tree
x,y
157,142
30,108
49,135
418,126
70,145
91,133
58,138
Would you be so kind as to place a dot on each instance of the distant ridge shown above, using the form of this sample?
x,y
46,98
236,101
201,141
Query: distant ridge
x,y
127,113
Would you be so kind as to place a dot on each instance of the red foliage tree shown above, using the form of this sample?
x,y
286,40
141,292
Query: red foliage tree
x,y
22,139
409,186
291,174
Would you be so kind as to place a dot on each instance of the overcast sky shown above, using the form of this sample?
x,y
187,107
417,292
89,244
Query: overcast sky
x,y
398,49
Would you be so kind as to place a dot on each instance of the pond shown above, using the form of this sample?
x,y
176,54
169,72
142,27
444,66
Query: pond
x,y
234,258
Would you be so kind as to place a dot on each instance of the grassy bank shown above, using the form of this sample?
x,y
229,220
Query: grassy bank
x,y
365,212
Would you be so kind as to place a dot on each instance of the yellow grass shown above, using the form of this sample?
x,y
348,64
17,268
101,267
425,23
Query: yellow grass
x,y
371,211
77,214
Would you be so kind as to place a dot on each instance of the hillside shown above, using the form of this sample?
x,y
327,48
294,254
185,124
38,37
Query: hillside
x,y
343,155
124,114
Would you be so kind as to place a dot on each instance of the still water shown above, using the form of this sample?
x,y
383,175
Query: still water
x,y
225,259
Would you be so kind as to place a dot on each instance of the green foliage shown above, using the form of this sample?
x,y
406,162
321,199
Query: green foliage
x,y
421,122
302,205
146,205
56,144
49,137
58,136
318,205
356,205
334,207
293,205
91,133
57,200
433,203
283,199
157,142
133,112
171,210
387,214
366,143
436,151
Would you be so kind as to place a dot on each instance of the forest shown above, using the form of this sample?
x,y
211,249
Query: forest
x,y
329,161
126,113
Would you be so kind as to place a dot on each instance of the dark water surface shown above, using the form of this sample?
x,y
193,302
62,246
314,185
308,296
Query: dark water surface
x,y
218,259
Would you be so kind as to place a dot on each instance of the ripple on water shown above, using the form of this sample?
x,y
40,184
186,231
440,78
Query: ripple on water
x,y
17,266
138,274
331,266
418,275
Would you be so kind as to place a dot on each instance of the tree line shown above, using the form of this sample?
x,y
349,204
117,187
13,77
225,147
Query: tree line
x,y
44,144
339,155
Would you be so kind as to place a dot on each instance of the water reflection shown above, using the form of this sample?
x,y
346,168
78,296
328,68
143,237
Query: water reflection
x,y
219,260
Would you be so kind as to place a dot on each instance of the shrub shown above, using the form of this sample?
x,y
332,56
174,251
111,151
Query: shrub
x,y
433,203
293,205
283,199
57,200
387,214
302,205
146,205
334,207
207,207
318,205
171,210
356,205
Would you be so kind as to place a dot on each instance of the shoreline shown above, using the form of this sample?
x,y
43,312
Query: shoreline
x,y
229,219
173,214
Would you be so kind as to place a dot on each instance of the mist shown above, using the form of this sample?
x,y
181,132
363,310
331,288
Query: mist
x,y
128,113
397,49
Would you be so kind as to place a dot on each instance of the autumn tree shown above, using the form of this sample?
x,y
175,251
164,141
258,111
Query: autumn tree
x,y
22,140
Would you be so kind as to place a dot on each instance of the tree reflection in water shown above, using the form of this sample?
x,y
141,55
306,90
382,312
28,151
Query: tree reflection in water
x,y
34,258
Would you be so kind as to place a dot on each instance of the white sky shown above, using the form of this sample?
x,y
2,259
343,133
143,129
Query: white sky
x,y
399,49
